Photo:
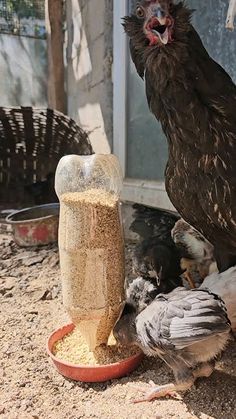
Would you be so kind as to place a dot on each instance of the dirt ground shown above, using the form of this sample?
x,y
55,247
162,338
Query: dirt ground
x,y
31,308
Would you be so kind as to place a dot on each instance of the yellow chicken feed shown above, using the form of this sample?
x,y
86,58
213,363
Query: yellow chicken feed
x,y
73,348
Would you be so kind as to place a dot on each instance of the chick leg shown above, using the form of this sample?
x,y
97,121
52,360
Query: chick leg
x,y
171,390
190,280
184,381
187,265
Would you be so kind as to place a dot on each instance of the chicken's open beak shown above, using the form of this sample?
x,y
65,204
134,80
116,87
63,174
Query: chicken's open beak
x,y
159,28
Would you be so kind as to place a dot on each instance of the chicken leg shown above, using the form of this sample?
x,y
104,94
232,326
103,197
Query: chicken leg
x,y
190,280
186,265
156,392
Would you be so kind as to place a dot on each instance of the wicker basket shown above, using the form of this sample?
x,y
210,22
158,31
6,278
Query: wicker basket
x,y
31,143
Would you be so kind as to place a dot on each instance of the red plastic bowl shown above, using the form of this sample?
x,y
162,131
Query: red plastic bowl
x,y
90,374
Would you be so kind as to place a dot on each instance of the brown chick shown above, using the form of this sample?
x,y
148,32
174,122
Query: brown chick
x,y
197,253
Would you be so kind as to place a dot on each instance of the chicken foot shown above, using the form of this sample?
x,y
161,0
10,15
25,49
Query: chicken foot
x,y
156,392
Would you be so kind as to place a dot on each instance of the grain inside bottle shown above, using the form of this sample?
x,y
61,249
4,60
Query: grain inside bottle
x,y
92,261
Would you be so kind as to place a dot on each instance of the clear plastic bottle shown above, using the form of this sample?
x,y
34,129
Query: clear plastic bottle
x,y
91,243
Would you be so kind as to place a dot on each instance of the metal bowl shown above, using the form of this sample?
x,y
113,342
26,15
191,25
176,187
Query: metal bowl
x,y
35,226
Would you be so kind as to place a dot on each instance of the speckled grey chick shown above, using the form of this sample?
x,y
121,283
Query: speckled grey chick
x,y
140,293
188,329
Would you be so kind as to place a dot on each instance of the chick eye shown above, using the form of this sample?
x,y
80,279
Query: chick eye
x,y
140,12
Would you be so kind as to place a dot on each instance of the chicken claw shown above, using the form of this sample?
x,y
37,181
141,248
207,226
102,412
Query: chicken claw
x,y
157,392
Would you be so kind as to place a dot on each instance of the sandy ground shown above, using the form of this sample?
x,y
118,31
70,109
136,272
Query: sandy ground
x,y
30,387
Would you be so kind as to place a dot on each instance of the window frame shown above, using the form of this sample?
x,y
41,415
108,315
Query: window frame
x,y
146,192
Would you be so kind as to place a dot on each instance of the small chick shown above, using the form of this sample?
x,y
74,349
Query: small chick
x,y
186,328
197,254
156,255
152,222
158,259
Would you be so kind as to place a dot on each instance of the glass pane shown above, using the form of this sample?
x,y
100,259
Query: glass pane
x,y
146,143
209,20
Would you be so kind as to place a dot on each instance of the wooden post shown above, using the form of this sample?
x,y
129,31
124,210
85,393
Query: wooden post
x,y
231,15
55,39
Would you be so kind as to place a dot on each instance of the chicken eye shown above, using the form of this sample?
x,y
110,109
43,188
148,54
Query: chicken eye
x,y
140,12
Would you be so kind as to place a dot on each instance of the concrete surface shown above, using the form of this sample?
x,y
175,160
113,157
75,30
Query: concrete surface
x,y
89,68
23,69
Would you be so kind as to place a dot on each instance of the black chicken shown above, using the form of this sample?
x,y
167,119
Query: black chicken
x,y
195,101
185,328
